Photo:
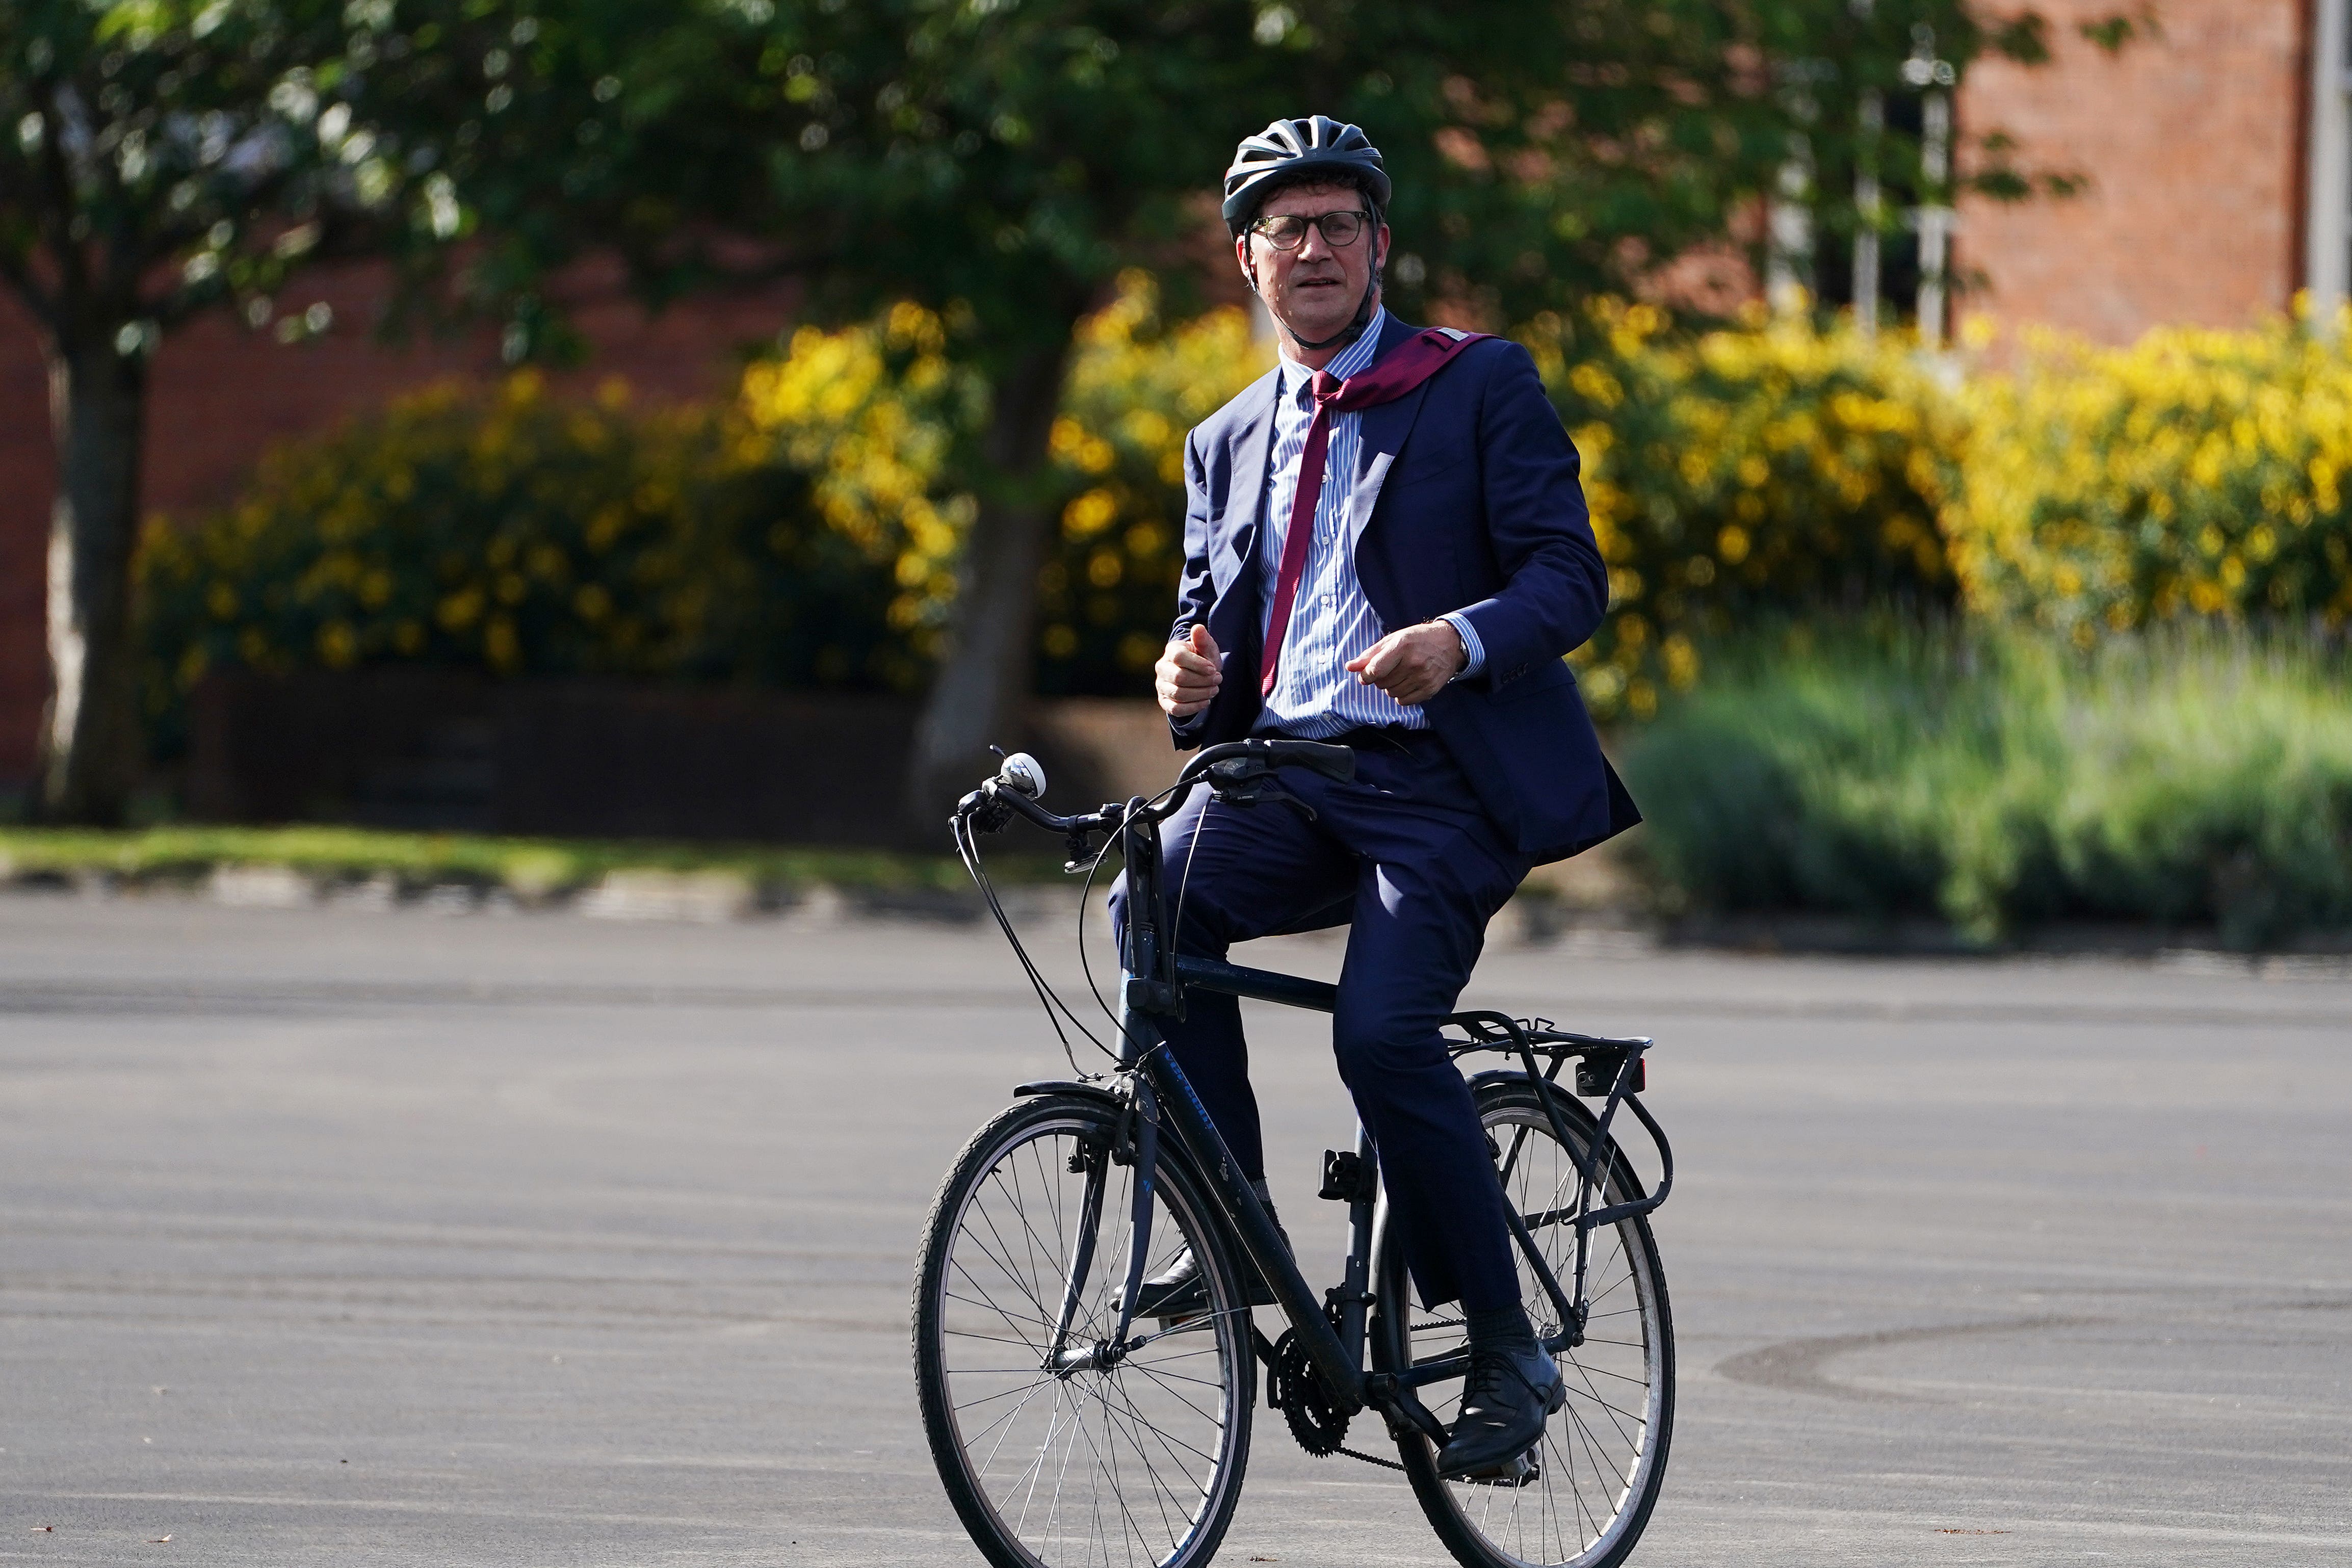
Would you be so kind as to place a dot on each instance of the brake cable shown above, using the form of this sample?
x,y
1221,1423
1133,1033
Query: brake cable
x,y
969,851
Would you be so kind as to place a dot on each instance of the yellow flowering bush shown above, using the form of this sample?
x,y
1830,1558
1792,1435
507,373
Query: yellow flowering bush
x,y
871,414
1137,387
515,532
805,533
874,412
1769,469
2197,475
1766,470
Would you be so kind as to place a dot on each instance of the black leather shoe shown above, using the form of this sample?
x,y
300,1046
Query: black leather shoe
x,y
1503,1411
1181,1292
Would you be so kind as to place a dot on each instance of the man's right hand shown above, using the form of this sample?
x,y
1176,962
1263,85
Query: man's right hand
x,y
1187,675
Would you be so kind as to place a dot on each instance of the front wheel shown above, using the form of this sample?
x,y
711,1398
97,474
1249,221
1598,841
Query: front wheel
x,y
1596,1474
1136,1459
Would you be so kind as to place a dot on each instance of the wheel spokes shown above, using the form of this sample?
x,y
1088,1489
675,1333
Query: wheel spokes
x,y
1592,1451
1115,1465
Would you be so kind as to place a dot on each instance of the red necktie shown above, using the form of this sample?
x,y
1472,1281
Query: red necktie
x,y
1310,495
1404,368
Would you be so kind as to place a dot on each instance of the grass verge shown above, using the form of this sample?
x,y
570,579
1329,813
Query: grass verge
x,y
533,869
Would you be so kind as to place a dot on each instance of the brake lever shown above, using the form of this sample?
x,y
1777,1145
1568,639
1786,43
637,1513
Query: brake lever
x,y
985,811
1246,781
1257,790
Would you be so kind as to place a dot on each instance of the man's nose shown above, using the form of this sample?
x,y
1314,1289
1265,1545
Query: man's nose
x,y
1314,246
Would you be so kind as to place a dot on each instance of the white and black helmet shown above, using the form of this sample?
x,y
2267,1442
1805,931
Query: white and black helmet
x,y
1316,147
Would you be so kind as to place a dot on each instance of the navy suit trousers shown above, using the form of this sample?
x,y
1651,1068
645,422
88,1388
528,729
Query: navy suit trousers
x,y
1403,854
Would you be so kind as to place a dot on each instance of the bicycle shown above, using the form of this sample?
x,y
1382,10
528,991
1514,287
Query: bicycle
x,y
1066,1437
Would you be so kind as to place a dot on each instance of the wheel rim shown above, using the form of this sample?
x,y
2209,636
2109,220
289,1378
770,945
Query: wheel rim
x,y
1120,1466
1597,1451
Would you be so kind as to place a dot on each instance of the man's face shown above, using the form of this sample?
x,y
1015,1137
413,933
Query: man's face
x,y
1313,290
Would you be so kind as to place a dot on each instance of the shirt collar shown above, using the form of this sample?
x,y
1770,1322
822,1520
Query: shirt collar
x,y
1348,361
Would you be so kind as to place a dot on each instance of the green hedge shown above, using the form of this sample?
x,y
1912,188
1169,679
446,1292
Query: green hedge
x,y
1999,779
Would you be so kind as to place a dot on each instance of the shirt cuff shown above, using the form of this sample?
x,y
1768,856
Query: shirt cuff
x,y
1470,644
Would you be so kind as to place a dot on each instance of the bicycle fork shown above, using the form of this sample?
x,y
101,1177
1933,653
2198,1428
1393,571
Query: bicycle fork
x,y
1145,1111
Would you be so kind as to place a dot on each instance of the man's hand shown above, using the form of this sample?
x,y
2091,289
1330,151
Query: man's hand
x,y
1413,665
1188,675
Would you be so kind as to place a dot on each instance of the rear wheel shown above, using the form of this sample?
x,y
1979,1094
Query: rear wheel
x,y
1603,1458
1136,1461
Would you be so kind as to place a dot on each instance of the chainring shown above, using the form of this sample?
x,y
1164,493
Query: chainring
x,y
1295,1388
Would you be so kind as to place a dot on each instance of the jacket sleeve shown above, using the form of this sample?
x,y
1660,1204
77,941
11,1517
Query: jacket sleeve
x,y
1555,585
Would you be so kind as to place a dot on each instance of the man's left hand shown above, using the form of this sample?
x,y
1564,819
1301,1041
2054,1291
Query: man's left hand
x,y
1413,665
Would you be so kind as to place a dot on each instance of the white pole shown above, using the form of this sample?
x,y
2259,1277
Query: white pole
x,y
1935,217
2327,234
1866,207
1787,271
1867,202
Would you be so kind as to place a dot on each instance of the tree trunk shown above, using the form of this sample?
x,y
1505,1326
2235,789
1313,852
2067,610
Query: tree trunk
x,y
985,662
89,731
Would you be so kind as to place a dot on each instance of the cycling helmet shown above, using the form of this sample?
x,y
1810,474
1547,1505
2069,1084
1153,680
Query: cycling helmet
x,y
1287,149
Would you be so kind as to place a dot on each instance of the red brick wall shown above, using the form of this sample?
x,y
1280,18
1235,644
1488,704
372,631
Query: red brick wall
x,y
2192,143
221,394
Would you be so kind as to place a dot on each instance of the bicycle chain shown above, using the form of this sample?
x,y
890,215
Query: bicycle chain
x,y
1371,1459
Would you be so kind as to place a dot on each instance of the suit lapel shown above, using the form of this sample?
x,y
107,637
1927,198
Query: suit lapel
x,y
1236,538
1384,428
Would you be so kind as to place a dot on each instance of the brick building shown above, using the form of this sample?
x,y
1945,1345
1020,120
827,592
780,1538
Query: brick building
x,y
220,395
2219,162
2219,157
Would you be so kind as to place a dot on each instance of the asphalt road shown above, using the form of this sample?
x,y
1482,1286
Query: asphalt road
x,y
343,1236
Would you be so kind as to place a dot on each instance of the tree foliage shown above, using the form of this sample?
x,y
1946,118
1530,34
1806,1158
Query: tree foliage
x,y
998,163
1015,155
159,158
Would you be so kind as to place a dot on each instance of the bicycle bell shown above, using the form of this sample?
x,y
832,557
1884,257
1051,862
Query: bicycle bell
x,y
1021,773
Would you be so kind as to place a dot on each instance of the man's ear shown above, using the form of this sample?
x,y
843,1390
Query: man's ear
x,y
1242,255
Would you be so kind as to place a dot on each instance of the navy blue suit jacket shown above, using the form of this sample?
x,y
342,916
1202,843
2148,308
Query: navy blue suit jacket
x,y
1465,498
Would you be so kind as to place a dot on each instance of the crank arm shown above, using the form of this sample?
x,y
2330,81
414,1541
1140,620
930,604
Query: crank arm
x,y
1402,1408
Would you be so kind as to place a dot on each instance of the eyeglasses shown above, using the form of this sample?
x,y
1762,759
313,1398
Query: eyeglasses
x,y
1288,232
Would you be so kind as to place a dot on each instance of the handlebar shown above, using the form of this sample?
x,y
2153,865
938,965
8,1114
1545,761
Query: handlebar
x,y
1229,765
1332,762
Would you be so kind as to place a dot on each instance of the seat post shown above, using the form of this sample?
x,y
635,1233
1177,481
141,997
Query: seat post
x,y
1354,1284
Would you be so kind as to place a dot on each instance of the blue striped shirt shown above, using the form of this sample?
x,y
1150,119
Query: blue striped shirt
x,y
1332,622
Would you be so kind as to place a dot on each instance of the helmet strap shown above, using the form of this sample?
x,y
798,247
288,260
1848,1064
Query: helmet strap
x,y
1353,330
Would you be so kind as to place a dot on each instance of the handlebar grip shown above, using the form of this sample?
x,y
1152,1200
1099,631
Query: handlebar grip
x,y
1332,762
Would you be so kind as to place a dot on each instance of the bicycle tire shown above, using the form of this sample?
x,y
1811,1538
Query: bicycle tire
x,y
1603,1456
1128,1432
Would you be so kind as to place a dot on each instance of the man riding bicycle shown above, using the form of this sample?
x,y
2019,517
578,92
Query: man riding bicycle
x,y
1386,547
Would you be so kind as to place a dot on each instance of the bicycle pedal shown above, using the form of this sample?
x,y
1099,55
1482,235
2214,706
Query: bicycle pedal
x,y
1522,1471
